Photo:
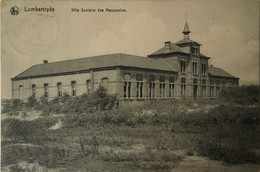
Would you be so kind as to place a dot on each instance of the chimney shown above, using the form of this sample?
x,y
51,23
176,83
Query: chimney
x,y
45,61
167,44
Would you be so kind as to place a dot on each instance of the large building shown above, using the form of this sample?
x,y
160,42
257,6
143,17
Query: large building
x,y
176,70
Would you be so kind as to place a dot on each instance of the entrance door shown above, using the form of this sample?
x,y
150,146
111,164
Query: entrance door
x,y
194,90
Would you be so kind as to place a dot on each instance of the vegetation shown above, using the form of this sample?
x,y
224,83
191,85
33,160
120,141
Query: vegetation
x,y
100,100
242,95
148,138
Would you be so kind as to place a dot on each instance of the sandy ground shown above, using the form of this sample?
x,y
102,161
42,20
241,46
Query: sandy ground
x,y
189,164
203,164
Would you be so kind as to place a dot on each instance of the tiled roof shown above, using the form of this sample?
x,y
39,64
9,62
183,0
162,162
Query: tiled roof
x,y
173,48
95,62
214,71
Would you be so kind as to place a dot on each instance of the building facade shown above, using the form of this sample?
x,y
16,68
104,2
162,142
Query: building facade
x,y
176,70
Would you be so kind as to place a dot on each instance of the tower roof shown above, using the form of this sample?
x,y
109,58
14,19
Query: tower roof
x,y
186,29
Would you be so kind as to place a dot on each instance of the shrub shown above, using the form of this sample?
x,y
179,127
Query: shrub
x,y
229,154
12,106
103,101
242,95
33,131
48,156
31,102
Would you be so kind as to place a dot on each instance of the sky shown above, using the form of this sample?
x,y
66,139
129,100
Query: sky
x,y
227,29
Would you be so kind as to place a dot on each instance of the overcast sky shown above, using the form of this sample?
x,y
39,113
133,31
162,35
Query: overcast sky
x,y
227,29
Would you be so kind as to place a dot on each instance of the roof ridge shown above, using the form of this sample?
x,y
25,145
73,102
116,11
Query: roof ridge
x,y
81,58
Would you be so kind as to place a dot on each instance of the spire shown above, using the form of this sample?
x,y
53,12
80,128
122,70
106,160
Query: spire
x,y
186,29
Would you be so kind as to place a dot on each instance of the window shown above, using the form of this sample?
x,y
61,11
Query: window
x,y
195,50
73,88
183,66
139,89
34,90
194,67
203,69
20,91
88,82
217,90
127,86
204,91
59,89
183,86
203,88
139,85
152,86
104,82
162,90
217,87
152,90
171,86
162,86
224,83
195,87
211,91
46,90
127,89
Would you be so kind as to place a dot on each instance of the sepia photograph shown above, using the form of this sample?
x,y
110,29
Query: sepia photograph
x,y
147,86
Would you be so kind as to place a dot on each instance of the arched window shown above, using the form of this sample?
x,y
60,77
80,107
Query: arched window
x,y
73,88
151,86
171,86
46,90
59,89
127,85
104,82
20,91
139,85
162,86
34,90
88,85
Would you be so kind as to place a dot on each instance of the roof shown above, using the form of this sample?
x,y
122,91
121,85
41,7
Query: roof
x,y
184,41
103,61
218,72
171,49
186,29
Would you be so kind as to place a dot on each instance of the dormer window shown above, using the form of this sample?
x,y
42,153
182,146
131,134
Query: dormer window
x,y
194,50
183,66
